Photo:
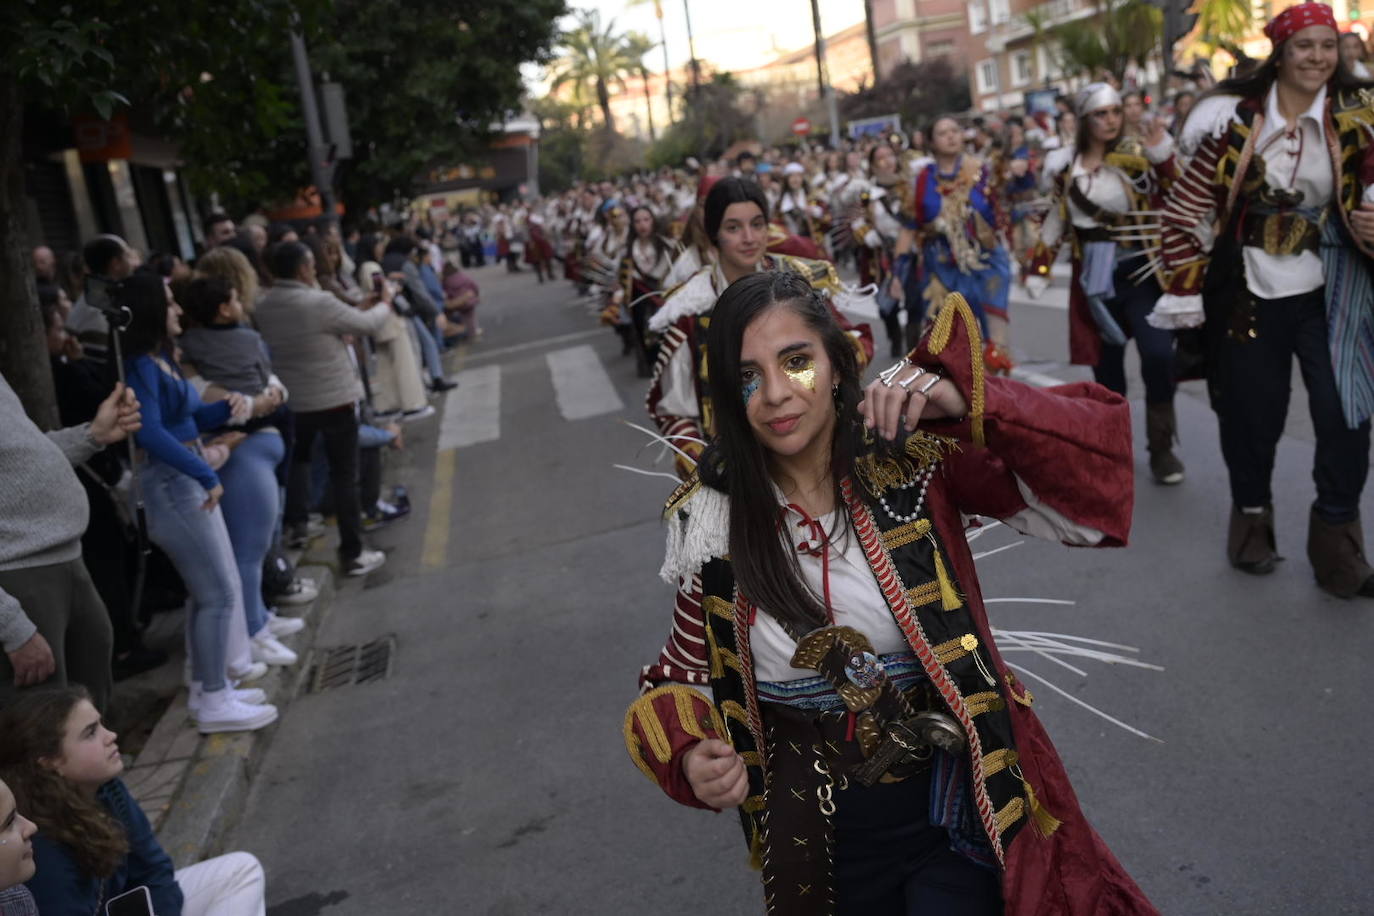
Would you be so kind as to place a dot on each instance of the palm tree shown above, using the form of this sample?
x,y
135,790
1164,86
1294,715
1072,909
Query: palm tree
x,y
1224,23
593,60
637,44
1123,32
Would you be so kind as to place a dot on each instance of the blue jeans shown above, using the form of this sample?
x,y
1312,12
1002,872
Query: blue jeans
x,y
251,504
429,348
197,543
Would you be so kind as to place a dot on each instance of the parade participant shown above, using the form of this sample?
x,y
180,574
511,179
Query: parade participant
x,y
952,229
884,200
538,250
735,222
800,214
605,250
1279,161
881,755
1101,200
1017,184
93,840
643,270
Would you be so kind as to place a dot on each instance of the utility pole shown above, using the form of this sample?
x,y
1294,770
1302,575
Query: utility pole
x,y
823,78
1177,23
321,164
872,35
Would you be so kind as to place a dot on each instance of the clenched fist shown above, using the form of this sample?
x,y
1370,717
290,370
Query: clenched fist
x,y
716,774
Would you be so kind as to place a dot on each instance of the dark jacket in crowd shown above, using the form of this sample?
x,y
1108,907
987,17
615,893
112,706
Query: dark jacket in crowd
x,y
61,888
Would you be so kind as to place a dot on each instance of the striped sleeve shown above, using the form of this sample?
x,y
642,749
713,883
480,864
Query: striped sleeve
x,y
1192,202
670,389
683,659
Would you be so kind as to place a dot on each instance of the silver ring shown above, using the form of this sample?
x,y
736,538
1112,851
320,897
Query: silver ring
x,y
906,386
888,374
934,380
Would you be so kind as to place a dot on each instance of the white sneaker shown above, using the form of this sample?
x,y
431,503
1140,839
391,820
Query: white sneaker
x,y
365,562
302,590
419,414
220,712
268,650
280,626
251,673
195,697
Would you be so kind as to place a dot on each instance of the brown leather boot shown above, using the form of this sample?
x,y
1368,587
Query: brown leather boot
x,y
1160,435
1250,542
1337,556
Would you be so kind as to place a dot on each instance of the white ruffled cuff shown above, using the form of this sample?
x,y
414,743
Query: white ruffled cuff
x,y
1174,312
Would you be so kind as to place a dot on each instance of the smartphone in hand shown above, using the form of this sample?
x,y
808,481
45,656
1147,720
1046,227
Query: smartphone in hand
x,y
137,902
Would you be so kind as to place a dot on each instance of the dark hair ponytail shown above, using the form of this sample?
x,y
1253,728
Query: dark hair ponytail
x,y
736,463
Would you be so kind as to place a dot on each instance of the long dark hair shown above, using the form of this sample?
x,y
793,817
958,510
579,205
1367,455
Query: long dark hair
x,y
33,723
1255,84
1084,135
729,191
145,296
655,234
736,463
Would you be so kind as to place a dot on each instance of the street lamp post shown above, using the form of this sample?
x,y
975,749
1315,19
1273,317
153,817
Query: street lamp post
x,y
321,171
823,78
691,47
667,69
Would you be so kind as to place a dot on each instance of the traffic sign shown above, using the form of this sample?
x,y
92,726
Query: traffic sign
x,y
801,127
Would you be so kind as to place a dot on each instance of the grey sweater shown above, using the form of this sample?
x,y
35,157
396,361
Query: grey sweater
x,y
302,326
43,508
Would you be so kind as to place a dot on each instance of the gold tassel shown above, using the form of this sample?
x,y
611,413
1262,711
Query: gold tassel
x,y
756,850
949,598
1044,822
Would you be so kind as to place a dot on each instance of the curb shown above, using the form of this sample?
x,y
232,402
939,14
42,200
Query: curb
x,y
191,786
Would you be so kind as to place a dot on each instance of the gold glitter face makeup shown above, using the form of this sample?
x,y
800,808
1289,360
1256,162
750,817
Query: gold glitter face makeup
x,y
802,370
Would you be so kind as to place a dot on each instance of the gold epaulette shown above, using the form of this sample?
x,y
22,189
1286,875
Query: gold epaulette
x,y
684,492
820,274
1128,161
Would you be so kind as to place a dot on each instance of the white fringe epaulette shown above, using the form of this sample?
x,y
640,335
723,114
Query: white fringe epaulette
x,y
862,299
1209,118
695,297
698,530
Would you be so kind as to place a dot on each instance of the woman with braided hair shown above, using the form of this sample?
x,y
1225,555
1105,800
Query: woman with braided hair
x,y
1282,161
882,757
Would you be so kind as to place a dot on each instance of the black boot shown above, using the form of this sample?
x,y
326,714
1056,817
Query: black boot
x,y
1337,556
1250,543
1160,436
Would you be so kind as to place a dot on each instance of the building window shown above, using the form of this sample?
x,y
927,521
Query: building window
x,y
977,16
987,77
939,48
1001,11
1021,70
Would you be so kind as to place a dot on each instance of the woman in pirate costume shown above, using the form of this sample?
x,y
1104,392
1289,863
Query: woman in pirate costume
x,y
950,244
884,200
882,757
643,273
1103,198
735,221
1280,163
602,266
799,212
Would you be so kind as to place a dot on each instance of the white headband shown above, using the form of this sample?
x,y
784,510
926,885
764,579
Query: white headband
x,y
1095,97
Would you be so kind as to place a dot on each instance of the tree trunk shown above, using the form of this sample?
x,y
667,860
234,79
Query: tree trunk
x,y
648,105
603,98
23,348
872,34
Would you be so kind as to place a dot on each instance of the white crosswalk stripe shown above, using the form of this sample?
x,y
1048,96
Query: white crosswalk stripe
x,y
581,385
473,411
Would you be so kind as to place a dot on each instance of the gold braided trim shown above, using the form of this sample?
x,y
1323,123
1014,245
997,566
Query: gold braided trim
x,y
713,653
957,305
1011,812
752,758
733,710
729,659
922,595
955,649
905,534
753,803
987,701
680,495
996,761
723,609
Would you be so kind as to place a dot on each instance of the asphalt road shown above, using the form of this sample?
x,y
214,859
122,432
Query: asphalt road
x,y
487,774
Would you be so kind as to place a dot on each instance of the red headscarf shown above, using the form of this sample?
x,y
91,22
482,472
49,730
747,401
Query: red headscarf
x,y
1296,18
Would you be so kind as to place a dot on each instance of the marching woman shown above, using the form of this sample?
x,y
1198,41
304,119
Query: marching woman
x,y
735,221
950,245
882,757
643,271
799,213
1282,161
886,198
1104,193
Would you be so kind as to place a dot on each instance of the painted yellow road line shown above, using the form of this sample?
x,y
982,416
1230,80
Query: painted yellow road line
x,y
440,510
440,521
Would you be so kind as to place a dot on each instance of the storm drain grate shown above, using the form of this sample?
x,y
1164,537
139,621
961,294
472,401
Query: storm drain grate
x,y
344,666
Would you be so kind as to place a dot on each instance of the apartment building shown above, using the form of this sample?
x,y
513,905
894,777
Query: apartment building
x,y
916,30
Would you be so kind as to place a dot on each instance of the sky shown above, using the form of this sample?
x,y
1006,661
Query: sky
x,y
731,34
